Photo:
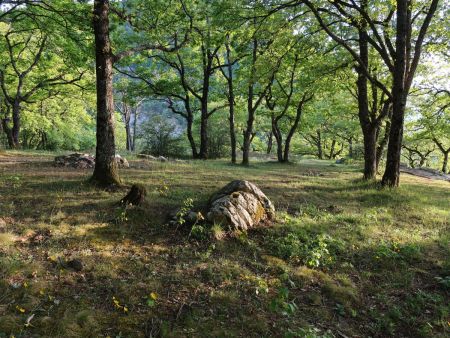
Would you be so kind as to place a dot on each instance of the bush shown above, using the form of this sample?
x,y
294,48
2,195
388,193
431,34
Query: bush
x,y
160,137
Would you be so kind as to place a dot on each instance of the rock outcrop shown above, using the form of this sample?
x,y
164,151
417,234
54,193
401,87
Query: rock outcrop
x,y
240,205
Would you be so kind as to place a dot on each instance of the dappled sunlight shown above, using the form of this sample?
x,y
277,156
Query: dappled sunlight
x,y
341,250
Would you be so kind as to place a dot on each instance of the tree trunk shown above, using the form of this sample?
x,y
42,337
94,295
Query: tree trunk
x,y
8,133
333,146
128,136
16,124
370,152
269,143
247,140
231,102
294,127
232,128
383,142
278,139
133,140
369,127
105,172
204,131
391,177
445,163
319,145
350,147
190,122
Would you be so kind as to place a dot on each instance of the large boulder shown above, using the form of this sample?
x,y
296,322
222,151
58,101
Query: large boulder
x,y
240,205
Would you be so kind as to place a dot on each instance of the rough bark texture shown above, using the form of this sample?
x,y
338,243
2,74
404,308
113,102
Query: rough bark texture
x,y
105,172
229,78
391,175
135,196
240,205
384,141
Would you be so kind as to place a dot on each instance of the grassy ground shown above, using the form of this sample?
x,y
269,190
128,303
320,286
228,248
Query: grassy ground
x,y
344,259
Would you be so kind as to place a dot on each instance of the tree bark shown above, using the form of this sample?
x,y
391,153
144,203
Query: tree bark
x,y
250,108
384,141
231,117
391,177
445,163
368,126
350,147
8,132
319,145
16,123
269,142
105,171
190,122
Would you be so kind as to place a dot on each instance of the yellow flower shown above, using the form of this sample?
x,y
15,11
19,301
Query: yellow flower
x,y
153,296
20,309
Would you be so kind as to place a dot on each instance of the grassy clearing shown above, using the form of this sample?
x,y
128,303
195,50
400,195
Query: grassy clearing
x,y
343,259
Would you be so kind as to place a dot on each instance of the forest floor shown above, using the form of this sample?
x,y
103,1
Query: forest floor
x,y
344,258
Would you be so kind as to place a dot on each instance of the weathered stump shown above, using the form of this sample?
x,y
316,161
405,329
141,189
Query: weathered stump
x,y
136,195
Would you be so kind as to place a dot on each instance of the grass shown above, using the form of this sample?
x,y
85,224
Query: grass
x,y
344,258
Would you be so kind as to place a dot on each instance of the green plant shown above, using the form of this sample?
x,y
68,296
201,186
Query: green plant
x,y
199,232
121,214
282,304
310,332
186,207
444,281
312,252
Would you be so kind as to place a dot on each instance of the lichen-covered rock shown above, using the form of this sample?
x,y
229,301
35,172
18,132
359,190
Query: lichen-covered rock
x,y
122,162
240,205
75,160
85,161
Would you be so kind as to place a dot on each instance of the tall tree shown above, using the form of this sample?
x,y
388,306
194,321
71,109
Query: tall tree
x,y
401,59
106,170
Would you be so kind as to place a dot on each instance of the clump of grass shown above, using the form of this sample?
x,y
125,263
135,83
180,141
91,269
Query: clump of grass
x,y
7,239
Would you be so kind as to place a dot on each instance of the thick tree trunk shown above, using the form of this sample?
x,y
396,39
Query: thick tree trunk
x,y
370,152
391,177
8,132
105,172
369,127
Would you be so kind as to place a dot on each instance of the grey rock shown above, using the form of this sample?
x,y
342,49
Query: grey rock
x,y
240,205
122,162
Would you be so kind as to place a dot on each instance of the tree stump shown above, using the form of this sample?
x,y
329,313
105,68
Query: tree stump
x,y
136,195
